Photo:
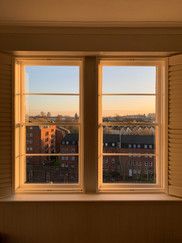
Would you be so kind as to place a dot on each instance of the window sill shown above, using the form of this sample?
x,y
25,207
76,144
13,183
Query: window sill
x,y
89,197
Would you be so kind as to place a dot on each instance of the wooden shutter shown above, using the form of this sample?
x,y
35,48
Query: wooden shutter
x,y
175,125
6,127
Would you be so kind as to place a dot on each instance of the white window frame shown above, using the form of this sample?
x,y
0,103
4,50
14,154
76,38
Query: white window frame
x,y
90,141
20,138
161,120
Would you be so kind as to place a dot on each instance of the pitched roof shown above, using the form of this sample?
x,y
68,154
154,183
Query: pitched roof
x,y
129,139
70,137
116,138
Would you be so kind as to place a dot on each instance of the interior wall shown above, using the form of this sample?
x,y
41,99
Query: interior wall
x,y
90,222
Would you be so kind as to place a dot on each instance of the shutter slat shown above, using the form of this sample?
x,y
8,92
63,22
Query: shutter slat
x,y
175,68
174,168
177,183
5,164
6,128
175,151
178,132
175,72
175,125
173,137
174,161
176,91
175,80
175,60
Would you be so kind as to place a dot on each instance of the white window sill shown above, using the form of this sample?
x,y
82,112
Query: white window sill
x,y
89,197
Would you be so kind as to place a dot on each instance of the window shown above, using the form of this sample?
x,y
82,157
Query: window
x,y
131,105
97,144
49,105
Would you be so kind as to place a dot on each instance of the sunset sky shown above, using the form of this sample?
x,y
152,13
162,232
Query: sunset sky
x,y
65,79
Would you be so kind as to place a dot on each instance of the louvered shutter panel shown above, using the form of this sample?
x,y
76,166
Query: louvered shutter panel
x,y
5,125
175,125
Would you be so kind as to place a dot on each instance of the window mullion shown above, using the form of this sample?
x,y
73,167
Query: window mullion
x,y
90,124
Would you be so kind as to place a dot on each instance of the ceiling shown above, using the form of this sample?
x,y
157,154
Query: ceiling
x,y
92,12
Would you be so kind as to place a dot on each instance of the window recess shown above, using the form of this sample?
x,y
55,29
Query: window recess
x,y
170,130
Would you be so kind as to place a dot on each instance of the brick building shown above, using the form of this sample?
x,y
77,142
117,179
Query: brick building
x,y
129,168
138,166
45,140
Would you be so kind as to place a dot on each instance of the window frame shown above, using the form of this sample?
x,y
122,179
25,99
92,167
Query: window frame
x,y
90,87
20,169
162,121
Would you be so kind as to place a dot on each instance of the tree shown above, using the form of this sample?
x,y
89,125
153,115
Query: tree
x,y
48,114
42,114
58,118
76,116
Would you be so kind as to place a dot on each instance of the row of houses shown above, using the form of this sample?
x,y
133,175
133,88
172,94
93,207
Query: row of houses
x,y
136,165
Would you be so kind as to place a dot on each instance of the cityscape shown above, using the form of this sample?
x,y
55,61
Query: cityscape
x,y
52,99
53,139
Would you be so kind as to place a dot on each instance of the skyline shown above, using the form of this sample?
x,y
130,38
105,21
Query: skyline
x,y
131,116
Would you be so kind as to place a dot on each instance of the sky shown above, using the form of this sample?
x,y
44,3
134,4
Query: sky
x,y
65,79
128,80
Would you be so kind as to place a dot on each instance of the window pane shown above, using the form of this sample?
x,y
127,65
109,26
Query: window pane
x,y
52,169
52,139
52,108
129,139
129,169
52,79
128,108
129,79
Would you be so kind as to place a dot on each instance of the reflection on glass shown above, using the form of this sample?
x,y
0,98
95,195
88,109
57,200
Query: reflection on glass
x,y
129,169
129,79
52,79
52,139
52,108
129,139
128,108
52,169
